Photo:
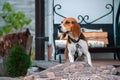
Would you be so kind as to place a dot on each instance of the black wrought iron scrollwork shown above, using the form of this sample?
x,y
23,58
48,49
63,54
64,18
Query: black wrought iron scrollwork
x,y
58,6
80,18
85,18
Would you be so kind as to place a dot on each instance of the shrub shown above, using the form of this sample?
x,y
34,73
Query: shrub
x,y
17,62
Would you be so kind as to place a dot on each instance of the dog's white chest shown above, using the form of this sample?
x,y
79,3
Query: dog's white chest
x,y
79,47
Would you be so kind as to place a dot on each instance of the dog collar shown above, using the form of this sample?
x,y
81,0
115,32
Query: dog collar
x,y
75,41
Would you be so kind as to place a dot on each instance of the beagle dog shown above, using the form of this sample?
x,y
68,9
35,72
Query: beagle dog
x,y
76,42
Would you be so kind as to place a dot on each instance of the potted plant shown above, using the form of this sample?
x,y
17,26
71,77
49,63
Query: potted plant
x,y
12,19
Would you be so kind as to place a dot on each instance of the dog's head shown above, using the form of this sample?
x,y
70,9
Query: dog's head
x,y
70,25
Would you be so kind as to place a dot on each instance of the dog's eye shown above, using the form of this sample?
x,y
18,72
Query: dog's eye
x,y
67,22
72,22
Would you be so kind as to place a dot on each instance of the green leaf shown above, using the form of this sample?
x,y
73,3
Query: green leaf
x,y
13,19
1,32
0,15
7,28
7,7
28,21
20,15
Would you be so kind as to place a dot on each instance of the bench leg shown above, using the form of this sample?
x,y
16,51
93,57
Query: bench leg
x,y
115,54
59,58
55,56
118,55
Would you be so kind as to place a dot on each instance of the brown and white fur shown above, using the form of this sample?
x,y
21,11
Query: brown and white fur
x,y
70,27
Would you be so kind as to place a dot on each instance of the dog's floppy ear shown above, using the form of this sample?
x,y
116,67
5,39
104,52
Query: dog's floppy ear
x,y
76,30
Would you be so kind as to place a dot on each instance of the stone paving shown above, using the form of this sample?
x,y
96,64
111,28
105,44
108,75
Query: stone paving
x,y
76,71
48,65
8,78
45,64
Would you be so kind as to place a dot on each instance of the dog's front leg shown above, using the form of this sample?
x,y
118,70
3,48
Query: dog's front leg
x,y
85,51
66,54
88,58
71,54
71,57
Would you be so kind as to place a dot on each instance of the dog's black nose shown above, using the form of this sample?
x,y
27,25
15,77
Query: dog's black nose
x,y
59,27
